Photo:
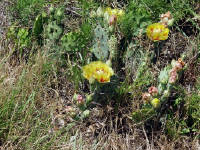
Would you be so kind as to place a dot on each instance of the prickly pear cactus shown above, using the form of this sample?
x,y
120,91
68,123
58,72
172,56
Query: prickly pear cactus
x,y
113,47
38,24
53,31
163,79
100,47
134,58
68,41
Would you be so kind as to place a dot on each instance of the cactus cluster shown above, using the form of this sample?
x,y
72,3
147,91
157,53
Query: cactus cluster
x,y
168,78
156,96
101,47
54,28
172,75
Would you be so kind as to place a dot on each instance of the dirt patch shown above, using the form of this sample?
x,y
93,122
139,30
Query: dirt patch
x,y
171,49
4,17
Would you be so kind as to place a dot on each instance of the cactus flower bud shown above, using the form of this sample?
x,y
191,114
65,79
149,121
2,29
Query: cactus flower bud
x,y
85,114
173,75
112,20
166,93
79,99
178,66
166,19
153,90
146,97
181,61
71,111
155,103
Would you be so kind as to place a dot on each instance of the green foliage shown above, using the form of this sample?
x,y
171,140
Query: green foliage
x,y
193,111
12,32
54,27
136,19
20,36
100,47
59,14
69,41
141,13
158,7
143,77
19,108
143,114
23,38
27,9
187,124
77,40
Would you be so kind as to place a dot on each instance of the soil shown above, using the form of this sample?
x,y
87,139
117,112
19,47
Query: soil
x,y
4,17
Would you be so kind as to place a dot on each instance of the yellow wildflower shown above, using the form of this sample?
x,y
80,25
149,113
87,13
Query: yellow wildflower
x,y
157,32
116,12
155,103
120,12
99,71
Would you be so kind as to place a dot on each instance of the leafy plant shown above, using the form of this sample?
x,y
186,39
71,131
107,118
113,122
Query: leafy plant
x,y
23,38
135,20
77,41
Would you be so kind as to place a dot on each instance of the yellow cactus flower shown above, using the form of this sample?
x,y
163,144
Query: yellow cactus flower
x,y
157,32
120,12
108,10
155,103
116,12
99,71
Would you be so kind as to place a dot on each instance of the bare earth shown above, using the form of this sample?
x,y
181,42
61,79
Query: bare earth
x,y
4,19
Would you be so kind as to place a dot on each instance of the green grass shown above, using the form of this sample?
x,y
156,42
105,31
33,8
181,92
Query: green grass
x,y
25,118
26,10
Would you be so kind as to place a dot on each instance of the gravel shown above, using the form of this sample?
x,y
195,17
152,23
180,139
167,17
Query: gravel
x,y
4,17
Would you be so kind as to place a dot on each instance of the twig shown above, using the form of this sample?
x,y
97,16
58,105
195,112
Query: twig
x,y
147,140
68,9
